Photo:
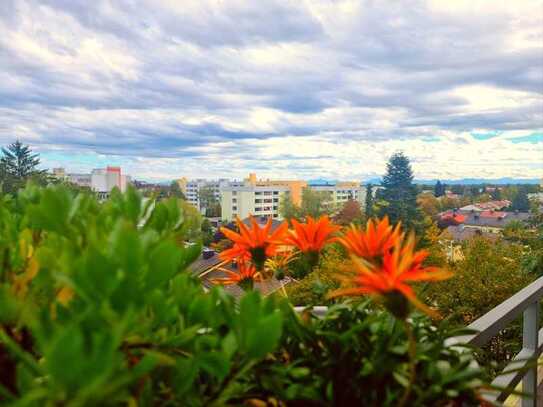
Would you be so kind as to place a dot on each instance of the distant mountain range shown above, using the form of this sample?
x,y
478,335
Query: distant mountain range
x,y
463,181
472,181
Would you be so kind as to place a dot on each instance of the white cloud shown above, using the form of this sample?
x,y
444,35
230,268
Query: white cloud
x,y
305,89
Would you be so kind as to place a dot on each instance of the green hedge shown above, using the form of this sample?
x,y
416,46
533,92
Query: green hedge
x,y
97,308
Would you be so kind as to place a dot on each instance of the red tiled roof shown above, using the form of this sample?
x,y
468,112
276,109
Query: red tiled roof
x,y
456,217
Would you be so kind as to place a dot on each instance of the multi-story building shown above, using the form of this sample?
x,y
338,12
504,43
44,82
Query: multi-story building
x,y
100,180
83,180
258,197
295,187
341,192
191,189
262,197
248,199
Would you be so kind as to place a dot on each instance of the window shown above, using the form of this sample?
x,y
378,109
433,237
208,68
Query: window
x,y
275,215
276,200
276,192
258,209
258,200
267,201
275,208
258,193
234,208
234,200
267,192
234,193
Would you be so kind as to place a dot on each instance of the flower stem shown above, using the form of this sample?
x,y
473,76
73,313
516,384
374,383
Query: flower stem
x,y
412,352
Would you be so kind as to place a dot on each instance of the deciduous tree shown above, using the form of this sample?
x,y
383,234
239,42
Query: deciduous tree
x,y
350,213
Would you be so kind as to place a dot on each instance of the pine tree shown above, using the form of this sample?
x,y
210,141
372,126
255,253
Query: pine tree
x,y
19,161
369,201
439,189
400,194
520,201
17,165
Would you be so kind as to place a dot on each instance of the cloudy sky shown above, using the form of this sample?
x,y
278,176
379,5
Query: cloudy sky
x,y
305,89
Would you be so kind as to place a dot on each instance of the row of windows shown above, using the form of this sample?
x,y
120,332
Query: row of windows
x,y
267,193
269,200
266,208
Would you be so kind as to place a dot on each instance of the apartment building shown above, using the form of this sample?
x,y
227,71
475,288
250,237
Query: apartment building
x,y
262,197
295,187
341,192
258,197
248,199
191,189
100,180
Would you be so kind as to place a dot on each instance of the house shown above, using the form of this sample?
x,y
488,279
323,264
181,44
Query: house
x,y
453,237
461,233
493,221
486,206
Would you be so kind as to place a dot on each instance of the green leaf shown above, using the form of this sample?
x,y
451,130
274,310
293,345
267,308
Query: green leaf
x,y
164,263
215,363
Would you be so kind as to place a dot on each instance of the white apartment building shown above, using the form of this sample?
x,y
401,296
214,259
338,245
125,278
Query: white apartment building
x,y
191,189
244,200
342,192
100,180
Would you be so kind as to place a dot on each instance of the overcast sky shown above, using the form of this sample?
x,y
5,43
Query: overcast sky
x,y
299,89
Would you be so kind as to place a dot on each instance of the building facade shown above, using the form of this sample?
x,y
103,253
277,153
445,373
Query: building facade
x,y
341,192
100,180
295,187
246,200
191,189
262,197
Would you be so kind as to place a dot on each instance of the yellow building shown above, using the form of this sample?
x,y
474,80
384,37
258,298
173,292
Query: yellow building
x,y
258,197
182,182
294,186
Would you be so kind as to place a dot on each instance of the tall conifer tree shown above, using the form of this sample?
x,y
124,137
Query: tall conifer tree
x,y
399,193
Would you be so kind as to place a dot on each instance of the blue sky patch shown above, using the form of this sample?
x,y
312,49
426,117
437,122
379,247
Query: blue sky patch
x,y
532,138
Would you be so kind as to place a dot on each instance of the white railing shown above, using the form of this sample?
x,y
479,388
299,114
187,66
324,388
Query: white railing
x,y
524,364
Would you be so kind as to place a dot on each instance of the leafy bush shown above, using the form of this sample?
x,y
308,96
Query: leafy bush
x,y
357,355
96,309
489,273
312,289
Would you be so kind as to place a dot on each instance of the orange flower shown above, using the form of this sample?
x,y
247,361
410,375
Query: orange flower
x,y
256,243
313,235
378,238
245,276
389,280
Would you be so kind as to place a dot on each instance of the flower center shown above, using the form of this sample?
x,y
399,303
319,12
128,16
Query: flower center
x,y
397,304
258,256
246,284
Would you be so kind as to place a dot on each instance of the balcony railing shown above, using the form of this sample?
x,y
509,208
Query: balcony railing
x,y
523,367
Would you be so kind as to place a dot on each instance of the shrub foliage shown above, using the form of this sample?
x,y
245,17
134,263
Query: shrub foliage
x,y
97,308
